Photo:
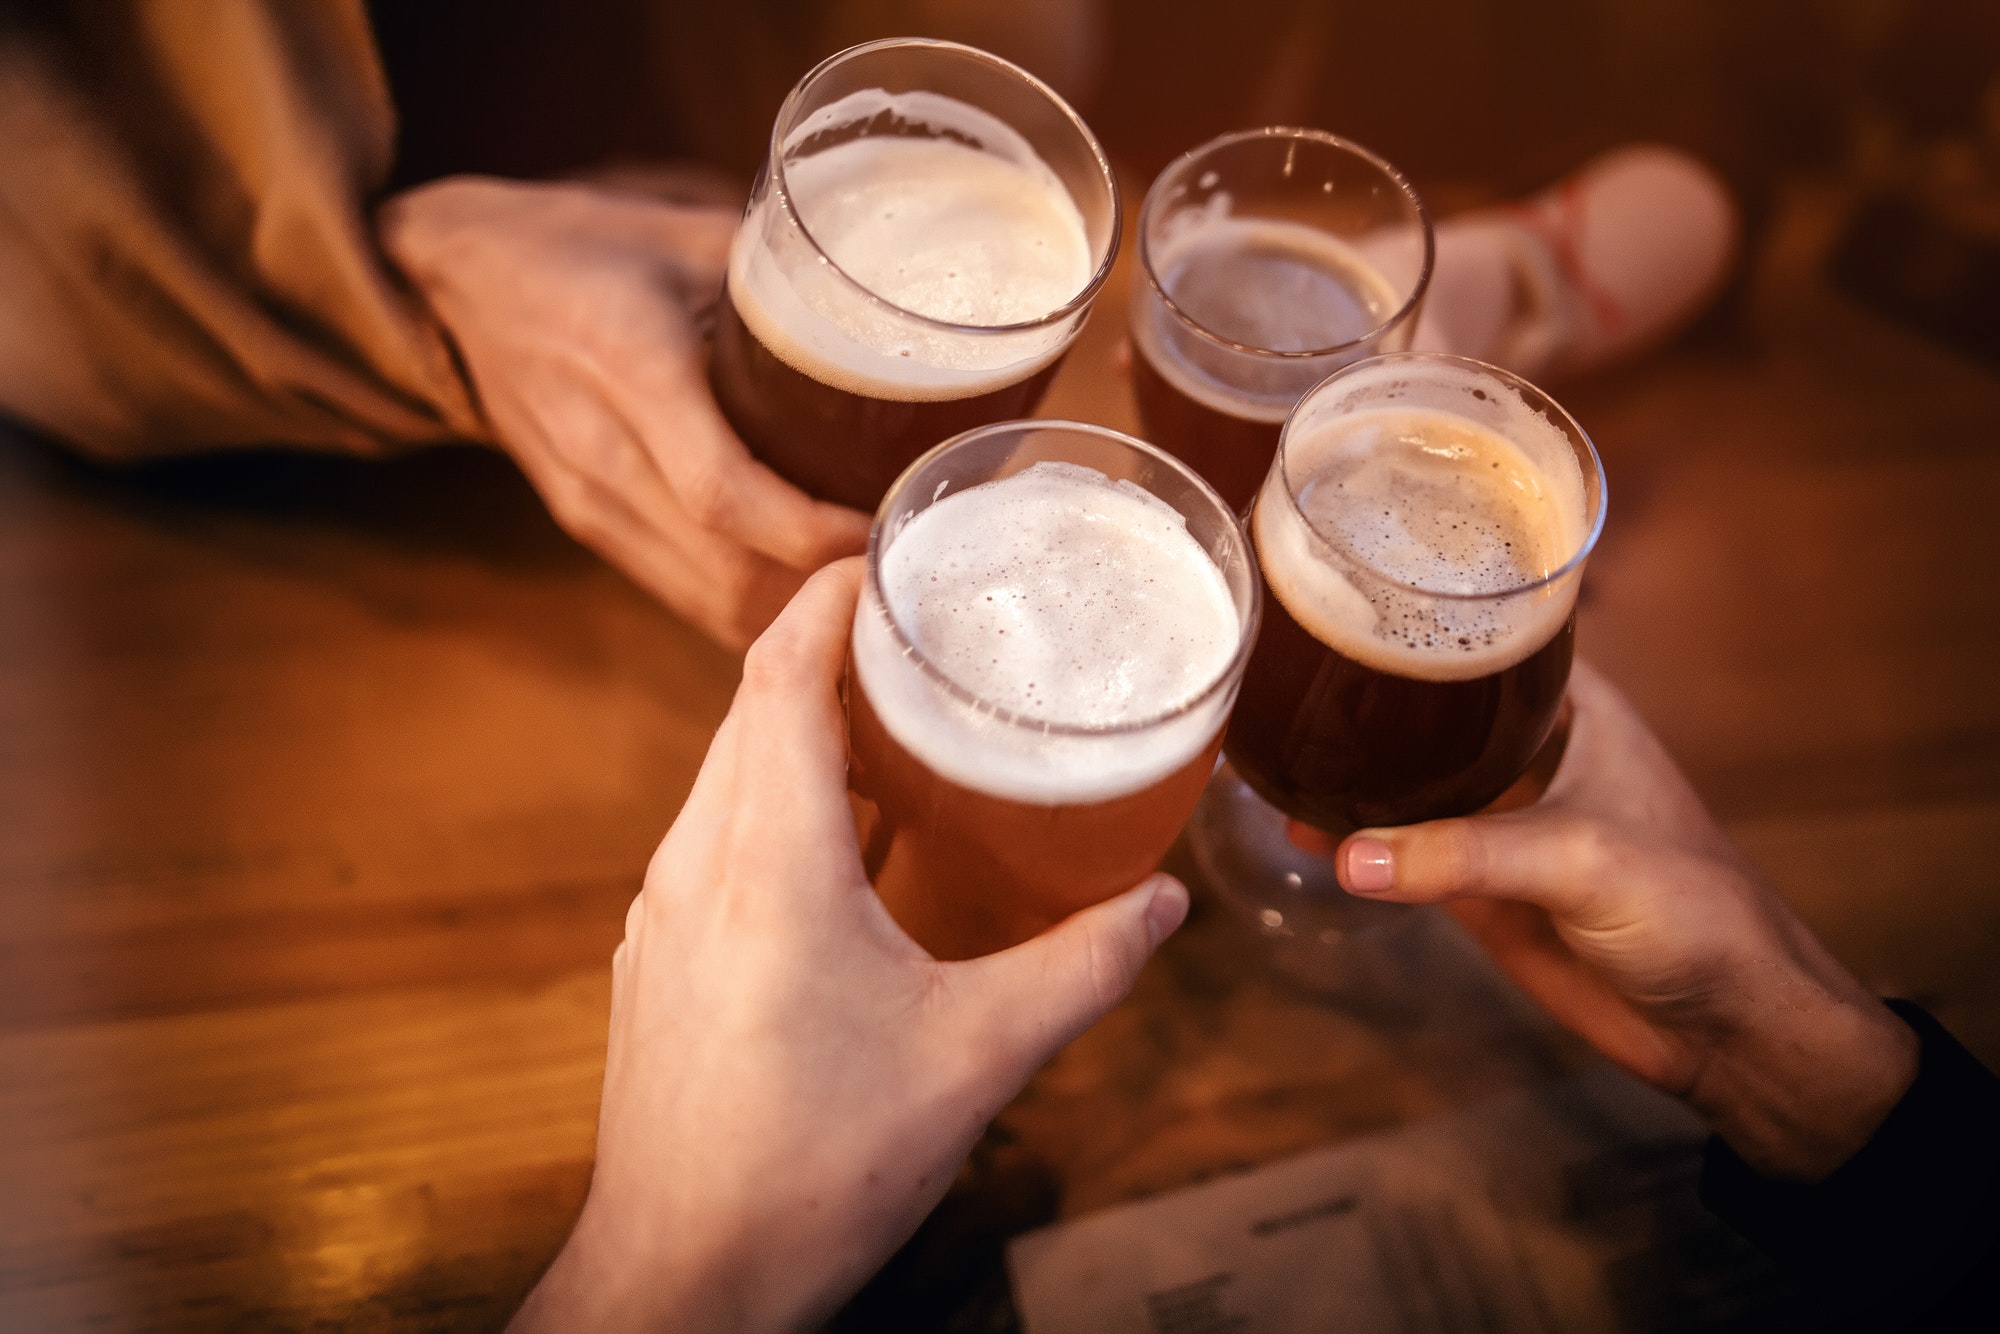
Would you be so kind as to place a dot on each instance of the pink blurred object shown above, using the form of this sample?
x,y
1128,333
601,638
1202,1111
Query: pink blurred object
x,y
1608,263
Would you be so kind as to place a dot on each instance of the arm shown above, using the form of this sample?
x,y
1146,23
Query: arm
x,y
791,1082
1619,905
1858,1145
188,264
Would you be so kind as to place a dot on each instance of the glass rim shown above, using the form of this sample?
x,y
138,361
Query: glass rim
x,y
1325,138
906,645
1537,399
775,164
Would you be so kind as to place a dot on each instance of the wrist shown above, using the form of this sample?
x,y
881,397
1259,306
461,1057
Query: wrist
x,y
1806,1079
621,1274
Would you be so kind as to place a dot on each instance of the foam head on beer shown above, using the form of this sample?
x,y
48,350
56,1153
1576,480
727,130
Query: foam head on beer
x,y
950,232
1261,283
958,222
1421,539
1053,637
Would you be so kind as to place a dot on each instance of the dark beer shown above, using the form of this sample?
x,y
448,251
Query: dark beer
x,y
1233,452
1421,625
834,443
1340,745
893,290
1262,292
1271,259
1041,670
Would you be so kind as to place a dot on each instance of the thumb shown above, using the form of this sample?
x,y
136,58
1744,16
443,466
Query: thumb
x,y
1042,993
1568,865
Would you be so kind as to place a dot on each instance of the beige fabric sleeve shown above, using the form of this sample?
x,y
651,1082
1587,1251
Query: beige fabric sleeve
x,y
186,260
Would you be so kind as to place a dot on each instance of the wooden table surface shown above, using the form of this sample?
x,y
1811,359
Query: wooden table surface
x,y
324,785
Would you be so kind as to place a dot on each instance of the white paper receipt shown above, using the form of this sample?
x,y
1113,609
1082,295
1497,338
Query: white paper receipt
x,y
1569,1209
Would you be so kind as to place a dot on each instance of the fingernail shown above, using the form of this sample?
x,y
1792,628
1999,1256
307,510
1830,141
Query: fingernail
x,y
1371,867
1167,910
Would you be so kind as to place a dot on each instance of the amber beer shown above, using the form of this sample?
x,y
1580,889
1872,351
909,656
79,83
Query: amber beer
x,y
912,264
1422,539
790,419
1043,661
1010,868
1271,259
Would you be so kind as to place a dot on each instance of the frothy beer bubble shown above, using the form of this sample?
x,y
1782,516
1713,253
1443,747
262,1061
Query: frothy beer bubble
x,y
947,231
1420,540
1068,600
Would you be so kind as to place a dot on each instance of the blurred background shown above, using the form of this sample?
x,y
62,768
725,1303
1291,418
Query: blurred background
x,y
1475,99
324,782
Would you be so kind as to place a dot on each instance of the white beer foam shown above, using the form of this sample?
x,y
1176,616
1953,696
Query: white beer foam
x,y
1348,283
946,231
1070,601
1450,511
983,236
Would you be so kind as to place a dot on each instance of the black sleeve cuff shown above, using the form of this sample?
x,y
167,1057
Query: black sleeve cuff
x,y
1902,1226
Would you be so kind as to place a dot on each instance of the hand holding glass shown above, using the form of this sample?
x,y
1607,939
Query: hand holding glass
x,y
1050,636
919,250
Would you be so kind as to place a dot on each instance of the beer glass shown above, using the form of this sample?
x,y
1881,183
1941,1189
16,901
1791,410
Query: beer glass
x,y
1272,258
1422,534
920,248
1050,636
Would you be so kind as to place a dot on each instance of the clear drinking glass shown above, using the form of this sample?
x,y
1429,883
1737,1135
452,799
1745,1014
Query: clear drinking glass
x,y
920,248
1272,258
1422,535
987,815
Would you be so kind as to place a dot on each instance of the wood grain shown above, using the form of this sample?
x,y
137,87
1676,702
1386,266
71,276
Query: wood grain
x,y
323,787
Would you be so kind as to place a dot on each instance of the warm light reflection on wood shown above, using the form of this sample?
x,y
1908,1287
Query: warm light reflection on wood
x,y
318,822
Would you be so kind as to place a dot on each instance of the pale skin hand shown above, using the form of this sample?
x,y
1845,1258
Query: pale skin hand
x,y
791,1082
573,310
1619,905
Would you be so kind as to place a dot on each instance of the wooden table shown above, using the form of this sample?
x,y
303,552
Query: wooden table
x,y
324,785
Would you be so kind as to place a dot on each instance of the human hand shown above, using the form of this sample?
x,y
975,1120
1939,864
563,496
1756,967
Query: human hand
x,y
791,1082
1619,905
573,310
